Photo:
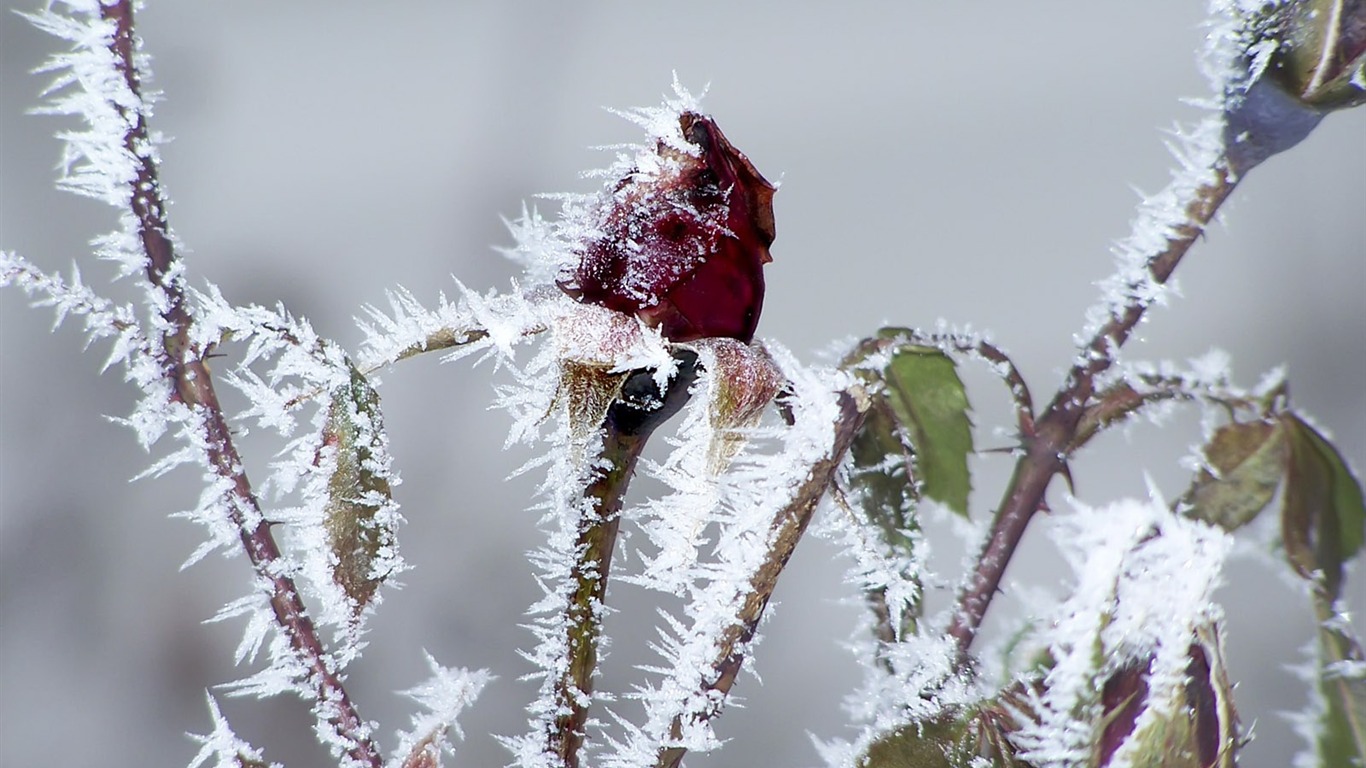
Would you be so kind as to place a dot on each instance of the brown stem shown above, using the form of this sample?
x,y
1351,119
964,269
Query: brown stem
x,y
1056,431
787,527
183,367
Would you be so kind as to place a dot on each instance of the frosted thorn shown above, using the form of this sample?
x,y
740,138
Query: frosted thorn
x,y
1066,472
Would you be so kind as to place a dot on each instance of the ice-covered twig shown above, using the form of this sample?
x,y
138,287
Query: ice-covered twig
x,y
1142,389
224,747
102,317
444,696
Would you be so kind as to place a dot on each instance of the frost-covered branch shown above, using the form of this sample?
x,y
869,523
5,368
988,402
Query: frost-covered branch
x,y
444,696
1168,224
1140,389
116,160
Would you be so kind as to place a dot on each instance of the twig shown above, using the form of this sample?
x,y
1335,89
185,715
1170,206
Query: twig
x,y
1056,431
193,386
787,529
1123,400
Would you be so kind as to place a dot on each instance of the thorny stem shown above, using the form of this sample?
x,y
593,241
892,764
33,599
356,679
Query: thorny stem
x,y
787,529
1055,434
183,366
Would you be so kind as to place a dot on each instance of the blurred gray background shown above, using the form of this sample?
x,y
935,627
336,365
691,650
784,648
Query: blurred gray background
x,y
971,162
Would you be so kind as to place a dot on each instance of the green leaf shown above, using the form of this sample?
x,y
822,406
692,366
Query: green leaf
x,y
1248,461
359,515
881,476
1322,526
1324,521
931,405
966,738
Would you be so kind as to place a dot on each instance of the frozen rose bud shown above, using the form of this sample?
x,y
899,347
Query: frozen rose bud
x,y
683,247
1315,63
1320,56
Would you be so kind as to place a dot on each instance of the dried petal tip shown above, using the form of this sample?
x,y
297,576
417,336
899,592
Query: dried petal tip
x,y
683,245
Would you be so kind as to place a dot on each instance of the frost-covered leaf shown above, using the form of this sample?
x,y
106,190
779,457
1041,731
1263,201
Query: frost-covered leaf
x,y
359,516
968,737
884,535
588,391
1324,520
931,406
881,471
1195,728
1245,464
1143,600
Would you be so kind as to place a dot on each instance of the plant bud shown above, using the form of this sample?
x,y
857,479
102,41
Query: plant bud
x,y
683,247
1316,63
1321,52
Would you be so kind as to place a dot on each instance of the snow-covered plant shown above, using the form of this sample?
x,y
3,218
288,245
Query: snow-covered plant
x,y
638,308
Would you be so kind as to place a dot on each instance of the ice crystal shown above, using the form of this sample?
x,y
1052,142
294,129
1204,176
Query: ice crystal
x,y
221,748
442,697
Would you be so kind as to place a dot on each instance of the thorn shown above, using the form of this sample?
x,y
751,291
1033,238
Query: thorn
x,y
1066,472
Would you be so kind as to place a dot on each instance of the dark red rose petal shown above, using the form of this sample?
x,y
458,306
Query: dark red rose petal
x,y
685,250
